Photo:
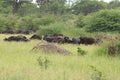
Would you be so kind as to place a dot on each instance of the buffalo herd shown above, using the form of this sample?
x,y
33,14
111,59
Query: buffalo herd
x,y
56,38
59,38
22,38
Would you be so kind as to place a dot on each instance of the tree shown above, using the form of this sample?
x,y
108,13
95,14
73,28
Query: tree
x,y
52,6
4,8
88,6
16,4
114,4
41,2
27,9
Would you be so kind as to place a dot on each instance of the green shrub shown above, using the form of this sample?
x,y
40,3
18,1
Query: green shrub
x,y
46,20
34,22
28,23
50,29
102,49
114,49
108,49
80,51
118,48
8,22
79,22
43,62
104,21
96,74
67,17
61,27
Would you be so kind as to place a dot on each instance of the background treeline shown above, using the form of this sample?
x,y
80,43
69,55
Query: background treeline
x,y
60,16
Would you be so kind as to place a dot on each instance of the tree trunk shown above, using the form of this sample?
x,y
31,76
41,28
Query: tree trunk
x,y
15,6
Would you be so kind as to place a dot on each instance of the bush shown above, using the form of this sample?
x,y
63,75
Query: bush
x,y
80,51
34,22
43,63
96,74
102,50
118,48
46,20
109,49
67,17
104,21
8,22
79,22
62,28
51,29
114,49
14,22
28,23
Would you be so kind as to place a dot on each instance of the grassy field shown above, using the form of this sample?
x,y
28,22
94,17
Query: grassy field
x,y
18,62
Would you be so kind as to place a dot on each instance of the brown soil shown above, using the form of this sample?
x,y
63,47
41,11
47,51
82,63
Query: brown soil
x,y
51,48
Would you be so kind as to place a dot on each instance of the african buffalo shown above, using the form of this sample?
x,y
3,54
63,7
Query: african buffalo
x,y
87,40
8,32
36,37
67,40
75,40
54,38
16,38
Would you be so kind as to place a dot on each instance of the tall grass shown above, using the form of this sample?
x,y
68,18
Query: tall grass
x,y
18,62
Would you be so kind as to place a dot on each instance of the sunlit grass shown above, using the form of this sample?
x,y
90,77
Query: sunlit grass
x,y
18,62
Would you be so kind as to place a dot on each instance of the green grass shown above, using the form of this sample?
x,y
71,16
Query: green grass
x,y
18,62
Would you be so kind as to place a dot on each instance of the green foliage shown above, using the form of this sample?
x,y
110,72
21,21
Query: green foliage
x,y
43,63
8,22
27,9
67,17
114,4
118,48
4,8
14,22
46,20
80,51
88,6
108,49
54,7
104,21
50,29
96,75
28,23
61,27
115,49
102,50
79,22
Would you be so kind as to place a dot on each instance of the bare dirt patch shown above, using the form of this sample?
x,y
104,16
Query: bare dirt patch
x,y
51,48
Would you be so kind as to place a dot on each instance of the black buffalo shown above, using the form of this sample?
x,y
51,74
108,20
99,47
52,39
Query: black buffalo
x,y
75,40
36,37
56,38
67,40
87,40
8,32
48,37
16,38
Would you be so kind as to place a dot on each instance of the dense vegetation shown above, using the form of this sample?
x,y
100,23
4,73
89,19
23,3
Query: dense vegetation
x,y
58,16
